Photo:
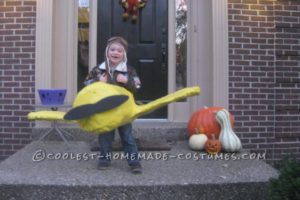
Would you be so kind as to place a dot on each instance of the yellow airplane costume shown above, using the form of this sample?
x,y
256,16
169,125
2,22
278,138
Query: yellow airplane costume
x,y
102,107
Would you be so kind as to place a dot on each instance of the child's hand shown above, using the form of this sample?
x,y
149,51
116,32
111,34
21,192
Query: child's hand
x,y
103,78
122,79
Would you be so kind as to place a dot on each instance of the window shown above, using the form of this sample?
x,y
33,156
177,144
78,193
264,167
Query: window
x,y
181,43
83,42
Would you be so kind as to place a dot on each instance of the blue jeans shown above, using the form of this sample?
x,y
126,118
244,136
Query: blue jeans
x,y
128,142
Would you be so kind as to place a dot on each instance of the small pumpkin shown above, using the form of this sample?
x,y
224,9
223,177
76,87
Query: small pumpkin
x,y
206,118
229,140
197,141
213,145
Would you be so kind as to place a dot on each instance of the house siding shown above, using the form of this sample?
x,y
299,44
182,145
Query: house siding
x,y
17,58
264,74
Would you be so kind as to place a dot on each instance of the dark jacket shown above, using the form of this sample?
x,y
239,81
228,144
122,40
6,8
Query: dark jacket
x,y
96,72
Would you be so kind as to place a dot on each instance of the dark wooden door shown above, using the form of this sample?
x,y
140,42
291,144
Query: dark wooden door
x,y
147,50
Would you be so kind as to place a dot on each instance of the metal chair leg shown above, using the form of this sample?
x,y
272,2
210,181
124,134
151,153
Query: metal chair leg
x,y
45,134
66,132
61,135
60,131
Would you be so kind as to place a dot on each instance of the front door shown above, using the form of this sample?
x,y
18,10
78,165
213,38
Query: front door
x,y
147,51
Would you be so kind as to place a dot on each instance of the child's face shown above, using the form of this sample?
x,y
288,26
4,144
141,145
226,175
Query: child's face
x,y
115,54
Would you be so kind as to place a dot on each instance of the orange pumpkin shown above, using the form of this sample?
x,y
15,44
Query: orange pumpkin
x,y
206,118
213,146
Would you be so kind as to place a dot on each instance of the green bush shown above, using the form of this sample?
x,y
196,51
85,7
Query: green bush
x,y
287,185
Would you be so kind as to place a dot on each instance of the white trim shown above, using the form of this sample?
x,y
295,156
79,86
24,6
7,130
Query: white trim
x,y
72,50
171,56
43,51
220,53
93,34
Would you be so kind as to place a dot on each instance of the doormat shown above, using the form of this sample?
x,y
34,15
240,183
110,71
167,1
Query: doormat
x,y
143,145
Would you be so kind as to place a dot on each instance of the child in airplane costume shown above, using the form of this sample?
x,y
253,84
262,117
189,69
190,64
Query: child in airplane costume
x,y
114,70
103,106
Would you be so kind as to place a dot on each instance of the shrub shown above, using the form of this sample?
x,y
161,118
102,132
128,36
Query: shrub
x,y
287,185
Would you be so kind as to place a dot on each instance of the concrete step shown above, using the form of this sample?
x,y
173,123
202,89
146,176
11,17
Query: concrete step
x,y
68,171
146,129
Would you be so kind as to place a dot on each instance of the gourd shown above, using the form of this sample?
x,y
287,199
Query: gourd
x,y
229,140
197,141
206,118
213,145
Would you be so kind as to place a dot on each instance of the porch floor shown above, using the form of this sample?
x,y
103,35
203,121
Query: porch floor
x,y
170,177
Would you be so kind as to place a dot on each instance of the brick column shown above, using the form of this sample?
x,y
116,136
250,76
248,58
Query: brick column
x,y
17,65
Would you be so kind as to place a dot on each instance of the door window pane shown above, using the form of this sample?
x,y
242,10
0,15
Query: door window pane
x,y
83,41
181,43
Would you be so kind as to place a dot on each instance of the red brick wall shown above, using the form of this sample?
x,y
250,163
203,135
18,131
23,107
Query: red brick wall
x,y
264,71
287,77
17,58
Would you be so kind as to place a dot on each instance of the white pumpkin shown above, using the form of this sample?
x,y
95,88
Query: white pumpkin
x,y
197,141
229,140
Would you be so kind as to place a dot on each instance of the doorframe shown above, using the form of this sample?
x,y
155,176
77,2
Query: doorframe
x,y
47,33
220,53
207,56
56,46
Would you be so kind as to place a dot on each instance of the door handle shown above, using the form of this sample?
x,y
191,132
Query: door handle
x,y
163,54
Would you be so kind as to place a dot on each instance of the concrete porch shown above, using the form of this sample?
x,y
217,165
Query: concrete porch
x,y
67,174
